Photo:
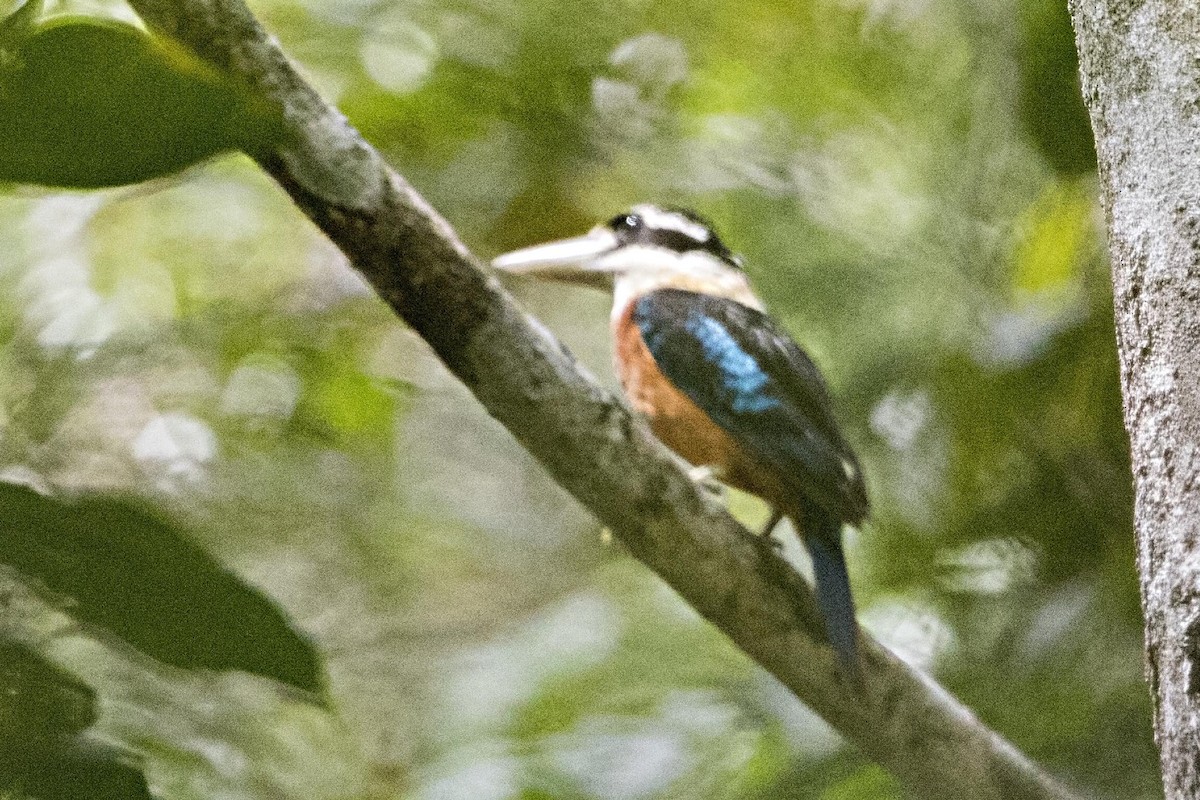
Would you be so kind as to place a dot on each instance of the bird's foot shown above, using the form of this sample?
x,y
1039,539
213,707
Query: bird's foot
x,y
767,543
765,538
708,478
772,524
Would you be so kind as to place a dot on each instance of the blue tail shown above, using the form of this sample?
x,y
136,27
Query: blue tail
x,y
822,536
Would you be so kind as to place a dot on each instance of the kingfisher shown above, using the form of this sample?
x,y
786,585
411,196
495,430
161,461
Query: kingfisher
x,y
720,382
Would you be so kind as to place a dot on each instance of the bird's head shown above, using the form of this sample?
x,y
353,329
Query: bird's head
x,y
646,248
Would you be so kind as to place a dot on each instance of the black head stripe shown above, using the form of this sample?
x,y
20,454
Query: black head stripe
x,y
690,233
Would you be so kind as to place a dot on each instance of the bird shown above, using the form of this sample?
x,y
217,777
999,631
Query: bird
x,y
720,382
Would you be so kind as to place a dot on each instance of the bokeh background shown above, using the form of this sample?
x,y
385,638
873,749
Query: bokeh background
x,y
912,186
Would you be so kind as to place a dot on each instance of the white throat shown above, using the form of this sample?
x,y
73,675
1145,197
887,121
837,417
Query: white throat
x,y
640,270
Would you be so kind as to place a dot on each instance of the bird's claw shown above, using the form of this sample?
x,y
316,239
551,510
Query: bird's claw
x,y
767,542
764,537
708,478
772,523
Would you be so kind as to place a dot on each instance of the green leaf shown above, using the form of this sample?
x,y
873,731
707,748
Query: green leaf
x,y
353,403
42,709
1051,102
132,575
1056,235
16,28
38,701
77,771
88,103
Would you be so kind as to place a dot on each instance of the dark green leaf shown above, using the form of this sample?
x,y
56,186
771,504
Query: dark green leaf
x,y
89,103
42,709
1051,99
74,771
38,701
16,28
130,574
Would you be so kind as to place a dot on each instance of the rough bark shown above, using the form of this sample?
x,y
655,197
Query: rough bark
x,y
1140,65
585,438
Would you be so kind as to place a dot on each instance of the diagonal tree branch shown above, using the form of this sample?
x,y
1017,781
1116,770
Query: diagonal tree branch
x,y
585,437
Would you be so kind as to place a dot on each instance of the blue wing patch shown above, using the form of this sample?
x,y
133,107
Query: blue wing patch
x,y
740,373
743,371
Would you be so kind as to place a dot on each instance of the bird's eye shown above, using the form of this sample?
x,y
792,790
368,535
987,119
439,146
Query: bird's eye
x,y
625,222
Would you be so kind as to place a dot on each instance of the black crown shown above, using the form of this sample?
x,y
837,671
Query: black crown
x,y
655,230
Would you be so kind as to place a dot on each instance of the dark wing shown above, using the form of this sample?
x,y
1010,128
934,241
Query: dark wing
x,y
748,375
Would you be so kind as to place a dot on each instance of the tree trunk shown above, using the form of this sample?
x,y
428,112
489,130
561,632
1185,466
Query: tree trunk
x,y
1140,65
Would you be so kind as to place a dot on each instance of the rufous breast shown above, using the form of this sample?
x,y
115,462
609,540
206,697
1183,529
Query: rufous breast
x,y
678,422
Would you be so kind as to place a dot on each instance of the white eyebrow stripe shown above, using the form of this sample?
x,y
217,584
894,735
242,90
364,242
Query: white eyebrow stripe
x,y
659,219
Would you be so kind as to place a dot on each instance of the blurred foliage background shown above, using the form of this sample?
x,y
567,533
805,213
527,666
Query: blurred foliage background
x,y
912,186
